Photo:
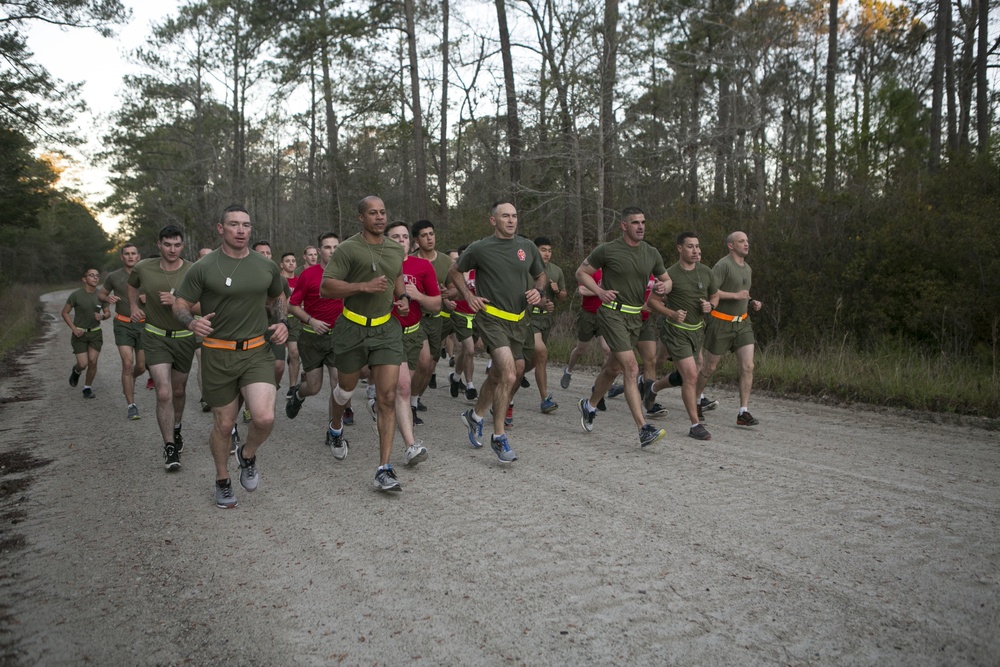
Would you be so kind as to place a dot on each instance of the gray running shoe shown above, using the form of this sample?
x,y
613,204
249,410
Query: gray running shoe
x,y
370,391
420,406
699,432
133,412
235,440
587,417
294,403
249,479
566,378
475,428
224,497
205,407
746,419
171,458
372,409
337,443
501,448
649,434
416,453
548,405
89,393
74,376
656,410
385,480
708,403
617,389
178,440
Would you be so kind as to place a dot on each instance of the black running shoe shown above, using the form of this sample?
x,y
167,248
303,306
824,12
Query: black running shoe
x,y
171,457
178,440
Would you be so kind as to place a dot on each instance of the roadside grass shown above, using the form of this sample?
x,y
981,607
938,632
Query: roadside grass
x,y
19,314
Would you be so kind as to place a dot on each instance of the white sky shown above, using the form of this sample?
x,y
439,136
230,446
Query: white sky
x,y
83,55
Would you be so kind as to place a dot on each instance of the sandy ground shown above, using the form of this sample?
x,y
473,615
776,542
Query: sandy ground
x,y
823,536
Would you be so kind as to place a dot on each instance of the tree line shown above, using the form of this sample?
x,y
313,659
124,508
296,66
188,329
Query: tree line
x,y
854,143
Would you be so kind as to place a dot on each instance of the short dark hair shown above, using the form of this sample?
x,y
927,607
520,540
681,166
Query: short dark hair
x,y
128,245
419,226
542,240
684,236
499,202
462,248
327,235
232,208
394,224
262,242
288,254
632,210
169,232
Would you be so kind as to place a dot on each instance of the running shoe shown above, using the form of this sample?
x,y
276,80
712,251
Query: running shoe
x,y
524,383
149,384
508,419
456,386
416,453
601,405
699,432
246,415
565,379
291,390
89,393
501,448
645,387
417,421
433,382
74,376
475,428
420,405
385,480
234,440
171,458
370,391
372,409
701,415
337,443
294,403
248,471
224,497
471,394
746,419
708,403
451,362
656,410
649,434
133,411
349,417
649,399
587,417
548,405
675,379
205,407
178,440
617,389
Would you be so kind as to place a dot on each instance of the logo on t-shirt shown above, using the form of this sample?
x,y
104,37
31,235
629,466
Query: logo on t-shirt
x,y
520,254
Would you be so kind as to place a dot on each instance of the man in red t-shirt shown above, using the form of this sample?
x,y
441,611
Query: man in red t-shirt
x,y
586,330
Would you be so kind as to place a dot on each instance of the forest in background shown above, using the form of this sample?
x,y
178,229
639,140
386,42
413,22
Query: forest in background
x,y
854,143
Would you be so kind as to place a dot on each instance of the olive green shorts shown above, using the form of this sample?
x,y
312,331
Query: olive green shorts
x,y
620,330
586,326
178,352
461,324
496,332
316,350
225,372
128,334
722,337
682,343
413,343
294,329
277,351
433,328
356,345
94,339
649,329
541,324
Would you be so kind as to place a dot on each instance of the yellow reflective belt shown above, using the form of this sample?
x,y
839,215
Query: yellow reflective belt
x,y
167,333
443,314
503,314
466,317
411,329
366,321
623,307
686,327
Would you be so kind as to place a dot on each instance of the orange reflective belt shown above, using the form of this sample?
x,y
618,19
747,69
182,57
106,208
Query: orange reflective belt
x,y
122,318
728,318
217,344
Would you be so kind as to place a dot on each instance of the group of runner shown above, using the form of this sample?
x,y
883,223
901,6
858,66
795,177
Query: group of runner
x,y
365,309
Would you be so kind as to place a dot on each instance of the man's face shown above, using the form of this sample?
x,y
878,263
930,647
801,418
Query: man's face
x,y
740,245
504,221
634,227
546,252
264,250
690,251
170,248
326,250
400,235
454,255
130,256
91,278
426,239
310,256
235,229
373,218
288,263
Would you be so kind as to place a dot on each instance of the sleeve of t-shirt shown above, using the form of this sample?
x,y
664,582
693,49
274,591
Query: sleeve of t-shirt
x,y
713,283
298,294
597,256
339,264
720,273
133,277
192,285
107,284
467,260
277,287
537,265
429,281
562,280
658,268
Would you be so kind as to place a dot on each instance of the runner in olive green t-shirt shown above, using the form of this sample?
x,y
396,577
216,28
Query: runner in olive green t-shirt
x,y
510,278
728,327
128,334
234,287
168,345
367,273
693,296
626,265
86,327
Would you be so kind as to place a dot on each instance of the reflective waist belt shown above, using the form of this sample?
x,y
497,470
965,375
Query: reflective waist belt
x,y
167,333
503,314
411,329
249,344
538,311
122,318
466,318
442,313
686,327
728,318
623,307
309,329
92,330
366,321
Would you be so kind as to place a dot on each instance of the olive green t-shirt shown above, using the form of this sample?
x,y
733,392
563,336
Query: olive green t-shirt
x,y
150,279
553,274
731,277
689,288
505,270
116,283
353,263
626,269
240,306
441,264
85,308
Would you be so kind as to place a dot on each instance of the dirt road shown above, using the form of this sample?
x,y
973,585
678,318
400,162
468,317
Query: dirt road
x,y
823,536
